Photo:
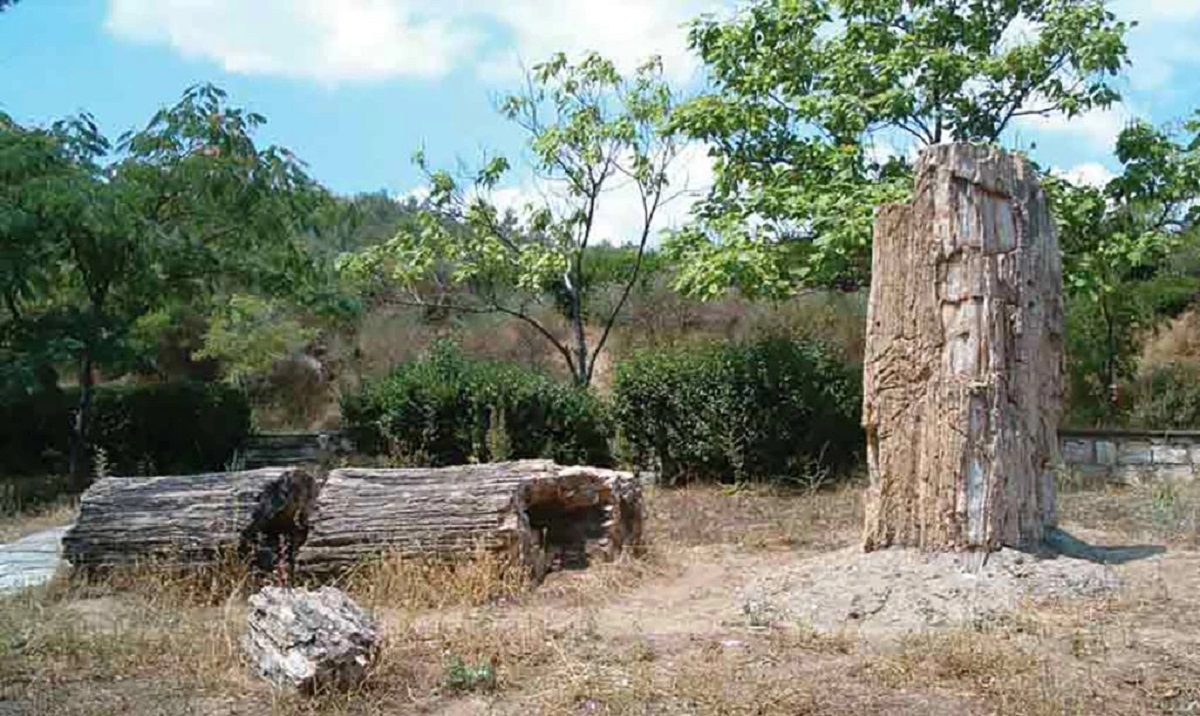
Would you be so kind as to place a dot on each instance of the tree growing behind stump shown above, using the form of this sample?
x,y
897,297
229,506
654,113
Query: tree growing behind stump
x,y
962,375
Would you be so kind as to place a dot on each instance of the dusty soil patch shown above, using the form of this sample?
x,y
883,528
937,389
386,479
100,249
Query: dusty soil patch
x,y
904,590
662,635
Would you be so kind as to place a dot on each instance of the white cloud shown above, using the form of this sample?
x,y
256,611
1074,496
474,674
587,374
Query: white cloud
x,y
1099,127
362,40
317,39
1088,174
619,211
1161,10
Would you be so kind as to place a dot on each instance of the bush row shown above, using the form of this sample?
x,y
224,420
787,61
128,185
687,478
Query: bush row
x,y
446,409
773,409
171,428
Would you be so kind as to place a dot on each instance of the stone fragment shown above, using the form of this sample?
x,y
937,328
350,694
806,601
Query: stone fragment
x,y
1134,453
1106,452
1169,454
308,640
1078,450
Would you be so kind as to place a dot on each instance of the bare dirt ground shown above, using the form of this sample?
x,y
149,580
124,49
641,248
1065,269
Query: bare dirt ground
x,y
668,634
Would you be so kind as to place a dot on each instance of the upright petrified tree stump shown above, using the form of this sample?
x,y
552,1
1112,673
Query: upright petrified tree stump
x,y
962,380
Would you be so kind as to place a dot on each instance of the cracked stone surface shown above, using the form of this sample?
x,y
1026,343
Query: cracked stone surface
x,y
902,590
31,560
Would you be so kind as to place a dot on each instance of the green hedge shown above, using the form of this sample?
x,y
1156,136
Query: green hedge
x,y
446,409
170,428
773,409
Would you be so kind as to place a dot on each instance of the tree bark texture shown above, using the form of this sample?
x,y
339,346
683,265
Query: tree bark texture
x,y
258,515
539,513
963,365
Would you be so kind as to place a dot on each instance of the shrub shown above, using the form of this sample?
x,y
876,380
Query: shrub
x,y
446,409
772,409
1167,397
164,428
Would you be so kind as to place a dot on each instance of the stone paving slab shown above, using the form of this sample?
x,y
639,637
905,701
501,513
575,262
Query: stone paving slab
x,y
31,560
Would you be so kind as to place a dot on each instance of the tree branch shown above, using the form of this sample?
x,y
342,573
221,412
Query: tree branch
x,y
495,307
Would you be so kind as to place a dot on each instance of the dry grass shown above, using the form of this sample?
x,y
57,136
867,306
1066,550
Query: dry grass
x,y
1160,513
398,583
20,523
760,517
656,635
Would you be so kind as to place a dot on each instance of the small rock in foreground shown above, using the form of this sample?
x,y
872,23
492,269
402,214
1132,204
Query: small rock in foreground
x,y
310,640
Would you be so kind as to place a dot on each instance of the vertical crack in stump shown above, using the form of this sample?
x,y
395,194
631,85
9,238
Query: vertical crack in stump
x,y
962,376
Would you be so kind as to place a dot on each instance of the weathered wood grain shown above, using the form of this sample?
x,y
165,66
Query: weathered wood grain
x,y
193,519
309,640
962,378
534,510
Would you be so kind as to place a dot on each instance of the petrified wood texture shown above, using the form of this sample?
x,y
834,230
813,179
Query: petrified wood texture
x,y
534,510
309,640
192,520
962,379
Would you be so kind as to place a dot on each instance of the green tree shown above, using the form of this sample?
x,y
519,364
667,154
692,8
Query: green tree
x,y
32,166
588,131
810,96
188,209
1117,241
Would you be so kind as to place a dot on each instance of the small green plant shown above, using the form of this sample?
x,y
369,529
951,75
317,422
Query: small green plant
x,y
499,444
1165,503
101,467
236,462
462,675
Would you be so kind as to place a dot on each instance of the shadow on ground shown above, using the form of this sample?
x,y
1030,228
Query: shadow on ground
x,y
1060,543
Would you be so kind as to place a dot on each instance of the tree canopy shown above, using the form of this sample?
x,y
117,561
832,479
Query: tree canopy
x,y
97,236
812,102
1121,244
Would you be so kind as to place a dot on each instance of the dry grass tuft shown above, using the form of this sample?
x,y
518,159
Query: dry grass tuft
x,y
16,522
397,582
165,586
1166,512
78,655
997,664
756,517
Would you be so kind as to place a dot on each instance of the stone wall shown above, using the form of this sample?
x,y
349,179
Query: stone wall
x,y
1130,456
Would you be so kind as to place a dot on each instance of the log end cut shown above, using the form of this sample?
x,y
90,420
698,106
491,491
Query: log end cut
x,y
544,516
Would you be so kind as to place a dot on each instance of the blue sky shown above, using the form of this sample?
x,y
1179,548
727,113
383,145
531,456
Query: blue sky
x,y
354,86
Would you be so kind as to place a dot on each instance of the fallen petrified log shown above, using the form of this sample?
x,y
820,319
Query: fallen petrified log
x,y
309,640
192,520
540,514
